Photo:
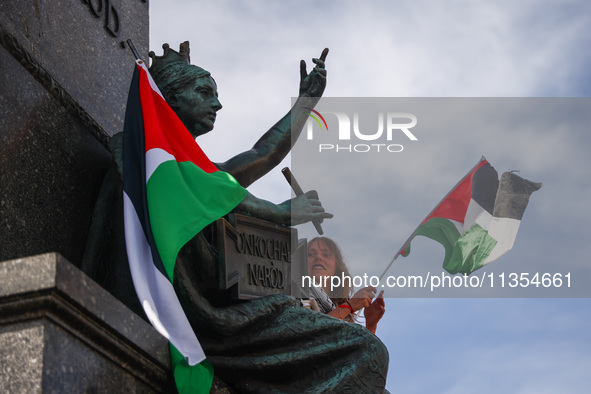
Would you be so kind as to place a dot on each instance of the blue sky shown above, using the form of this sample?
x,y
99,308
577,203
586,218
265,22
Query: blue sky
x,y
426,49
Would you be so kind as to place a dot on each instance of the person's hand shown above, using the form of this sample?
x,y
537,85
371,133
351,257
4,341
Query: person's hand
x,y
374,312
313,84
306,208
362,298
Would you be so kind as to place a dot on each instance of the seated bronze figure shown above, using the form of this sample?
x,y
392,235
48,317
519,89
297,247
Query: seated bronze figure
x,y
270,344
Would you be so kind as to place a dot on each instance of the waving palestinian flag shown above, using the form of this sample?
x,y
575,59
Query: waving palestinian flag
x,y
171,192
477,221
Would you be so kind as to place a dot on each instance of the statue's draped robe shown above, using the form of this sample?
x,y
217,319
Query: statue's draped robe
x,y
271,344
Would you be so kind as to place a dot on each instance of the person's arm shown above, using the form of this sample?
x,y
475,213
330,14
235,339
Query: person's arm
x,y
361,299
340,312
276,143
374,312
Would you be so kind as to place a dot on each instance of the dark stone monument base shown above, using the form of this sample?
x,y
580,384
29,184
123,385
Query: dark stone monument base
x,y
60,332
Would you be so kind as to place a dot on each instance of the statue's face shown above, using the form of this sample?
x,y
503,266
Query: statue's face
x,y
197,104
321,260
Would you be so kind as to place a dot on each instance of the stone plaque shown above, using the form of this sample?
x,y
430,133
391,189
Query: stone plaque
x,y
256,257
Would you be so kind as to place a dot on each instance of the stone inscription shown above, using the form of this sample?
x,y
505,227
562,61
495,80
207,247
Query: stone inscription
x,y
258,246
265,274
106,10
256,257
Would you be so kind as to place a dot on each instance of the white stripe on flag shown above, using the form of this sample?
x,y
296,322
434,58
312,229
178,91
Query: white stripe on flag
x,y
142,64
155,157
156,292
504,231
476,214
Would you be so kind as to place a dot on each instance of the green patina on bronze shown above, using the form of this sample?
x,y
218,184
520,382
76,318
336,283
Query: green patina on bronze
x,y
270,344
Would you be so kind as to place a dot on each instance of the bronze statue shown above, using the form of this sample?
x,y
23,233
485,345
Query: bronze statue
x,y
192,94
271,344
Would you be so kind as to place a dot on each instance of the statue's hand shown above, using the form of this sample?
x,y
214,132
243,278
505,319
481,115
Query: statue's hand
x,y
306,208
313,84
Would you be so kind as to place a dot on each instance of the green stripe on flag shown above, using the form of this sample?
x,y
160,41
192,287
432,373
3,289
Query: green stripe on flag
x,y
440,230
190,379
182,200
463,253
470,251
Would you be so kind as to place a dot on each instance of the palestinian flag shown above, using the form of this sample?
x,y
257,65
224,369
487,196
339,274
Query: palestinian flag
x,y
171,191
477,221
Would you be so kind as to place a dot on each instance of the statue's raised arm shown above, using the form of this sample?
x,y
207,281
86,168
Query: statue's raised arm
x,y
276,143
192,93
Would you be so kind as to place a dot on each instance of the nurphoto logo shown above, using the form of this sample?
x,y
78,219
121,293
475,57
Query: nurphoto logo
x,y
316,119
390,126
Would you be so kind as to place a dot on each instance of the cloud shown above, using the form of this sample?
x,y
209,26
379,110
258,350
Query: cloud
x,y
488,346
425,49
415,49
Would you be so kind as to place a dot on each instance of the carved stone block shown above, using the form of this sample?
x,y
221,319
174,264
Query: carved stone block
x,y
257,258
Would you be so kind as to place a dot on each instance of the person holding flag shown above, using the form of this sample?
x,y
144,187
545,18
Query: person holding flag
x,y
325,261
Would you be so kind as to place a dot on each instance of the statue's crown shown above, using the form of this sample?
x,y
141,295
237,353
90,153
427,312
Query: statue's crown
x,y
170,57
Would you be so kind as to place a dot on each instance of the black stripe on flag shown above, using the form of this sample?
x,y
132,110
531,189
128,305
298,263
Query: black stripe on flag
x,y
134,164
513,196
485,183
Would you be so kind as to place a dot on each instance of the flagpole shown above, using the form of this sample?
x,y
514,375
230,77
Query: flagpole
x,y
429,214
389,265
134,50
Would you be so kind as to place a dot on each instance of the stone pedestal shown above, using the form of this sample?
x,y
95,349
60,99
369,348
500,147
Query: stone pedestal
x,y
62,333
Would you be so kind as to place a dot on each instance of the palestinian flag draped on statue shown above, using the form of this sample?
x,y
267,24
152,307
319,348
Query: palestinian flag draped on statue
x,y
171,191
477,221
